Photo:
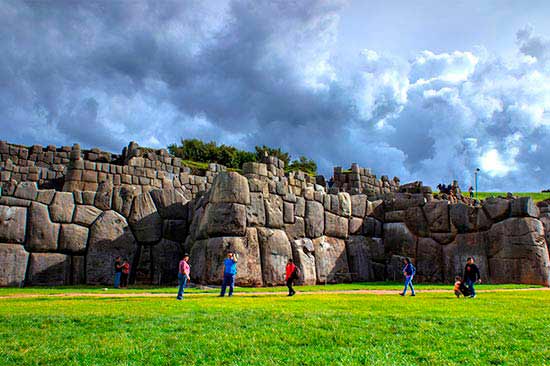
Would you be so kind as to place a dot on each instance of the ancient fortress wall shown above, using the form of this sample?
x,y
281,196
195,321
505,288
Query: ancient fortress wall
x,y
66,213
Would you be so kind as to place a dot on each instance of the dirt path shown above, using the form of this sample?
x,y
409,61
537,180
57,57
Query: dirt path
x,y
114,294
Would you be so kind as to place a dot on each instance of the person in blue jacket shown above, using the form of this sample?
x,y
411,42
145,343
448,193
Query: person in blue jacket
x,y
408,271
229,272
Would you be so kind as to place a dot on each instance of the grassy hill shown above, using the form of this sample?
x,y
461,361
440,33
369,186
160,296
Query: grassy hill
x,y
537,196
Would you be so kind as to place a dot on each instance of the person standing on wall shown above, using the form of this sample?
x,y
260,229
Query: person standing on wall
x,y
291,274
118,271
229,273
408,271
183,275
471,276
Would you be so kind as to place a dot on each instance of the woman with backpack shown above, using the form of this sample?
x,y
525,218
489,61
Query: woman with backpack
x,y
291,274
408,271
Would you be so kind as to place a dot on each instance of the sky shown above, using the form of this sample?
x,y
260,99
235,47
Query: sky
x,y
422,90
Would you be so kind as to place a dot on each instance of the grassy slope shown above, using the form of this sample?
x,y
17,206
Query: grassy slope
x,y
346,329
537,196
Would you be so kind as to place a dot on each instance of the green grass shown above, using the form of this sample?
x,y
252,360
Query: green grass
x,y
499,328
394,286
198,165
537,196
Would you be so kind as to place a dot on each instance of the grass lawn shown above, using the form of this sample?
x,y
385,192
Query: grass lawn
x,y
396,286
498,328
537,196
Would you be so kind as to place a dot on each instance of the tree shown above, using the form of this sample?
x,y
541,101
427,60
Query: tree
x,y
304,164
231,157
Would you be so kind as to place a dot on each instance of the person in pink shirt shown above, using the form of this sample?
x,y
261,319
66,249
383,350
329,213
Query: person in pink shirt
x,y
183,275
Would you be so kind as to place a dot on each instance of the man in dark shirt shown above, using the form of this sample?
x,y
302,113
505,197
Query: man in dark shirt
x,y
471,275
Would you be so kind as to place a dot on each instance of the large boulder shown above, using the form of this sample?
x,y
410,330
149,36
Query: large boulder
x,y
51,269
104,196
429,260
62,207
255,211
372,227
175,230
13,222
123,198
300,207
355,226
26,190
13,264
296,230
275,250
336,226
359,258
497,208
358,205
303,253
86,214
398,240
249,270
518,252
288,212
463,217
524,207
166,257
145,220
464,246
170,203
78,270
197,261
73,238
110,236
42,233
230,187
314,220
404,201
437,215
223,219
416,221
331,262
274,211
344,204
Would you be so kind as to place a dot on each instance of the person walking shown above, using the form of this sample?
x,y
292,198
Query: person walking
x,y
183,275
291,274
118,271
471,276
408,271
229,273
125,274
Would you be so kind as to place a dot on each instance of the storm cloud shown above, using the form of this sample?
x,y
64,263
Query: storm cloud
x,y
266,72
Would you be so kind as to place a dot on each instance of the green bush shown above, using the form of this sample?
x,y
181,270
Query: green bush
x,y
209,152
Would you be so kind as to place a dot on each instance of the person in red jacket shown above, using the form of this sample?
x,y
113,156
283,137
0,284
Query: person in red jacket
x,y
125,274
290,275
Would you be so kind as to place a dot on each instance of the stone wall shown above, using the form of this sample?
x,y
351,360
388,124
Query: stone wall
x,y
147,206
359,180
342,237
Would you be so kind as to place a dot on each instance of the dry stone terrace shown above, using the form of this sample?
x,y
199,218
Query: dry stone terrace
x,y
65,213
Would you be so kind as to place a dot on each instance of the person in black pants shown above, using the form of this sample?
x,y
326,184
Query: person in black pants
x,y
290,275
471,275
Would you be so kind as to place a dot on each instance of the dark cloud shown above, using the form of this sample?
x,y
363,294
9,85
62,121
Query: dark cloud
x,y
264,72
